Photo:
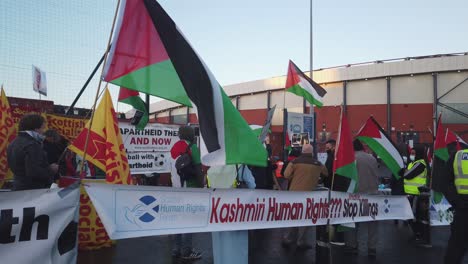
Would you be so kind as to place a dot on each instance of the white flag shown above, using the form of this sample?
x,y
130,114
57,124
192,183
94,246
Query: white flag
x,y
39,81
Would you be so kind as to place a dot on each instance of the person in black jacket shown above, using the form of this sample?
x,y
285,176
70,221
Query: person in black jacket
x,y
340,184
27,159
455,194
52,148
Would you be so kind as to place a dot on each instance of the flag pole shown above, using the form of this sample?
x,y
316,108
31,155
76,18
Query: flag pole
x,y
98,89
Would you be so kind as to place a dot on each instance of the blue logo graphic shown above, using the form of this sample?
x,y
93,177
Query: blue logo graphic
x,y
146,211
387,206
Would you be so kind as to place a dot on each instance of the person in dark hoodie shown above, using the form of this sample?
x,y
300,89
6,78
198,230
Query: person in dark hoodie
x,y
27,159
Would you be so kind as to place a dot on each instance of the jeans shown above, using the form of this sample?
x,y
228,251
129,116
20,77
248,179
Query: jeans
x,y
372,233
183,243
457,243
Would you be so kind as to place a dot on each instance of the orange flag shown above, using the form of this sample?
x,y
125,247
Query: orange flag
x,y
7,134
105,148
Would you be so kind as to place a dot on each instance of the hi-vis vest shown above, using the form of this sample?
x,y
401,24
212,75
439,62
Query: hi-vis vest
x,y
411,186
460,168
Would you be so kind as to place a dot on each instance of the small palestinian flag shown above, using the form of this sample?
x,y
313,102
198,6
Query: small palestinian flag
x,y
451,137
133,98
149,54
345,160
301,85
440,166
374,136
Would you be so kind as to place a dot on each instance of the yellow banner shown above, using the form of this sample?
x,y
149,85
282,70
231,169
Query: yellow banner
x,y
105,148
7,134
91,231
68,127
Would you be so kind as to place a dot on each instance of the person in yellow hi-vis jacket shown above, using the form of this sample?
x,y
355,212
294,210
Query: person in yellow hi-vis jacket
x,y
415,177
457,195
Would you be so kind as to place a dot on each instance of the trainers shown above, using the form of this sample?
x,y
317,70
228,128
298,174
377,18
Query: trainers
x,y
192,255
423,243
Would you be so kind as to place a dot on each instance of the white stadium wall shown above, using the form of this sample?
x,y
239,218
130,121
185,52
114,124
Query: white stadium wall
x,y
411,107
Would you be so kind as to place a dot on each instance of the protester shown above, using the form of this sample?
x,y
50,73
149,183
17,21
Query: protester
x,y
303,173
231,247
264,176
191,177
368,183
294,153
53,148
340,184
457,194
397,185
27,159
414,178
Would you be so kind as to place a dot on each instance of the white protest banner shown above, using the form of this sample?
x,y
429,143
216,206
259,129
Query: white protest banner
x,y
136,211
155,137
148,149
39,81
149,162
39,226
439,212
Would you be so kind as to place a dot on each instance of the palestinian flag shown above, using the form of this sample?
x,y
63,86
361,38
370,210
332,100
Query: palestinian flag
x,y
440,146
429,155
133,98
451,137
287,143
374,136
345,161
439,180
301,85
150,55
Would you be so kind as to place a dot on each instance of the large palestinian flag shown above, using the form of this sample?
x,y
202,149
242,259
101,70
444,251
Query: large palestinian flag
x,y
374,136
150,55
345,160
301,85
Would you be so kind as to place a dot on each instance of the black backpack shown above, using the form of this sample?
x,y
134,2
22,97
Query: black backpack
x,y
184,165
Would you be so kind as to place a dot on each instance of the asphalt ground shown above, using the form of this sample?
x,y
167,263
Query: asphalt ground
x,y
265,247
